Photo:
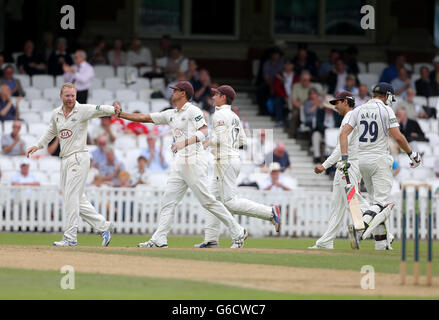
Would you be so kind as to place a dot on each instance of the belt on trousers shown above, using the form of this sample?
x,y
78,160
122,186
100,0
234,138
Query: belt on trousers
x,y
72,153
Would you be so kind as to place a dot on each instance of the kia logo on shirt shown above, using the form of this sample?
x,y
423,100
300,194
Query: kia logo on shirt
x,y
65,134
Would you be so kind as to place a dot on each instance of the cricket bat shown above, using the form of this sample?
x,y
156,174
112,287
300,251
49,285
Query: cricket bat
x,y
354,205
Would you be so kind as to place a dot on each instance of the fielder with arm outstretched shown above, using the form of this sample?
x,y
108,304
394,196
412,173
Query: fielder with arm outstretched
x,y
69,122
376,121
189,169
227,137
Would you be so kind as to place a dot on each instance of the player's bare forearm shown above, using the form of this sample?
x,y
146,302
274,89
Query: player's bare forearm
x,y
346,131
136,117
400,139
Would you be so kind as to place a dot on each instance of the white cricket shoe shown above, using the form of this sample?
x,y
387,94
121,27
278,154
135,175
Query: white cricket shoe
x,y
151,244
65,243
319,247
239,243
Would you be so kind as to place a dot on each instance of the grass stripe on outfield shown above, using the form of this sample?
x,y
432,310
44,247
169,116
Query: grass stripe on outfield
x,y
31,284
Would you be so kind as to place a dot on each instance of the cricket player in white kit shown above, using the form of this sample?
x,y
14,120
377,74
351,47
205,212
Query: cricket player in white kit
x,y
190,167
227,137
69,122
375,121
344,103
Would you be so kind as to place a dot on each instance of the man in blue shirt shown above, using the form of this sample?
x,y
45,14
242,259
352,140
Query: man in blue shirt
x,y
155,159
111,168
7,109
391,72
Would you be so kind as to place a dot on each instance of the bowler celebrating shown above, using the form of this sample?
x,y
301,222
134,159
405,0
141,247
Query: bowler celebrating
x,y
69,122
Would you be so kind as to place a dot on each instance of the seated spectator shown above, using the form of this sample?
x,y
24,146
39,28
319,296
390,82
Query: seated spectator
x,y
59,58
402,83
138,56
434,77
104,129
98,54
124,180
117,57
12,144
409,127
175,64
413,110
193,75
13,83
283,87
244,122
81,74
327,66
350,85
136,128
303,61
47,45
311,106
30,62
164,53
98,155
391,72
24,178
140,175
276,181
299,96
351,60
423,84
155,159
336,80
111,168
7,109
363,95
280,156
202,96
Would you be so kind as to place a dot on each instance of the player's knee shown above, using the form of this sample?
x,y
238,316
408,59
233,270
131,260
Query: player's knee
x,y
231,205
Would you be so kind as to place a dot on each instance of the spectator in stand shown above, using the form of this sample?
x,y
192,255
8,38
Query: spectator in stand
x,y
59,58
310,107
13,83
270,69
111,168
124,180
327,66
336,80
81,75
409,127
116,56
351,60
423,84
276,181
244,122
2,64
164,53
350,85
12,144
139,56
306,60
391,72
24,178
396,168
202,96
136,128
140,175
104,129
30,62
98,155
434,77
402,83
283,87
280,156
98,54
175,64
363,95
193,75
408,104
155,159
7,109
47,47
299,96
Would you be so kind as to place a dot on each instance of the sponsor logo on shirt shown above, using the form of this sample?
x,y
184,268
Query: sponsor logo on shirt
x,y
98,108
220,123
394,120
65,134
199,118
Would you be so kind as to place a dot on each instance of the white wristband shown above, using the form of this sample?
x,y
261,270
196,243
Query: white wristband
x,y
200,135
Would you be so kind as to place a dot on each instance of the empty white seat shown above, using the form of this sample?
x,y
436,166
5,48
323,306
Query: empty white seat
x,y
127,72
29,139
103,72
46,116
158,105
423,174
141,106
31,117
428,161
24,79
141,83
158,180
97,84
145,94
33,93
362,67
424,124
41,81
23,105
126,95
125,142
50,164
51,94
59,81
38,105
420,100
331,137
433,137
37,129
369,79
114,84
423,147
436,150
55,178
101,95
7,176
6,164
434,125
158,84
432,102
144,70
377,67
7,126
417,66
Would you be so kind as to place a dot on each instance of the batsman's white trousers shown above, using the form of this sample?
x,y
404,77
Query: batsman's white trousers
x,y
74,169
191,175
224,188
339,204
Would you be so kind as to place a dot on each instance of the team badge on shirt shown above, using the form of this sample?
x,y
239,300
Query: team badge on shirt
x,y
199,118
394,120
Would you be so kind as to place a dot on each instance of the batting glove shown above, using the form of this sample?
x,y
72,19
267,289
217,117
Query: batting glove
x,y
344,163
415,158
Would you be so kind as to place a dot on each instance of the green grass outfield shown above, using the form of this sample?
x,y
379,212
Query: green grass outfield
x,y
26,284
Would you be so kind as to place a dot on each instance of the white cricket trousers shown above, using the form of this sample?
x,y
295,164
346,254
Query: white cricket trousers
x,y
223,187
74,171
339,204
193,175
